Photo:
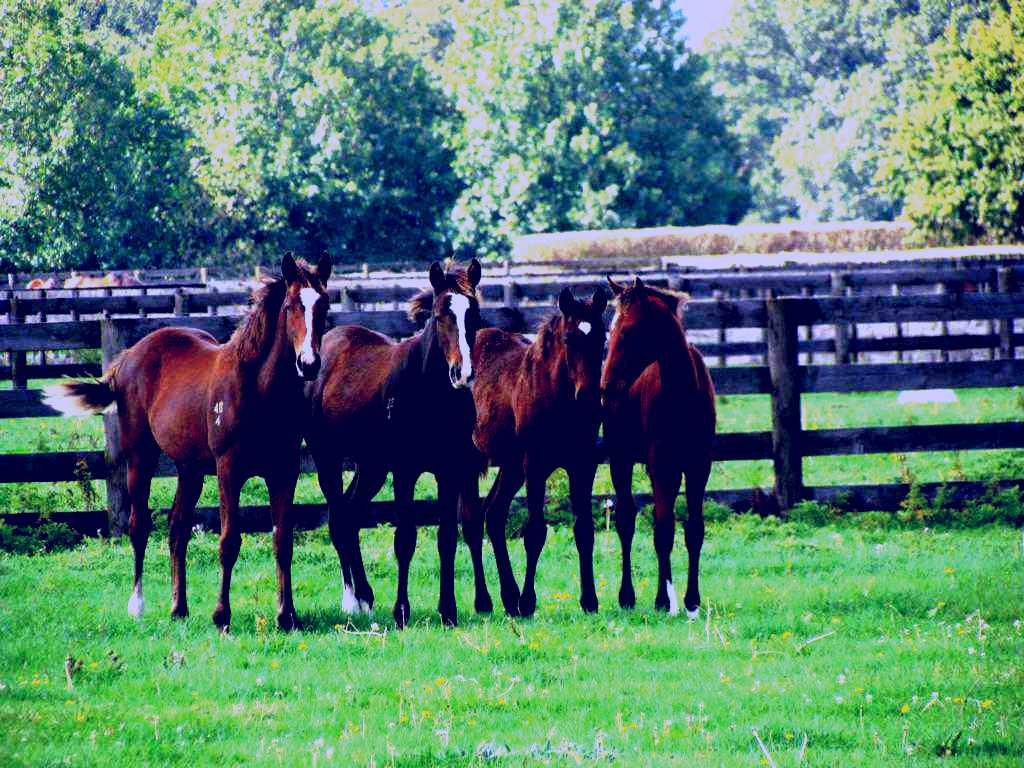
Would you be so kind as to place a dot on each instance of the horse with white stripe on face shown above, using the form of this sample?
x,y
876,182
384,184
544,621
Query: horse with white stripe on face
x,y
405,408
234,410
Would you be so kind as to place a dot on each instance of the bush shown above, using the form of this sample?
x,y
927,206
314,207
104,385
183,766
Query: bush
x,y
45,537
813,513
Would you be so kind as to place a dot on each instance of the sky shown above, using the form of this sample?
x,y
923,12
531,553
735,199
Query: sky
x,y
703,17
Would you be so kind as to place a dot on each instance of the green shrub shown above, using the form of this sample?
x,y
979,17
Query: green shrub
x,y
47,536
813,513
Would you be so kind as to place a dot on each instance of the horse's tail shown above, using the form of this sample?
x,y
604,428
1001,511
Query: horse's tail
x,y
81,398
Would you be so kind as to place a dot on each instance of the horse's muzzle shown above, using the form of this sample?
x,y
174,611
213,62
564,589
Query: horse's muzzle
x,y
455,376
308,371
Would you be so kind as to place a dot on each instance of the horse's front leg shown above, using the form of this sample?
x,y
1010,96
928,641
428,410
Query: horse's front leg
x,y
665,480
581,487
281,487
405,541
696,482
447,540
229,483
472,518
625,524
533,537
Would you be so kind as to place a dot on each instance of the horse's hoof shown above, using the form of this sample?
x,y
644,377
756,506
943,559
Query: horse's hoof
x,y
222,618
527,603
627,597
287,621
449,618
401,614
693,613
365,600
661,602
510,599
588,603
136,604
483,603
179,612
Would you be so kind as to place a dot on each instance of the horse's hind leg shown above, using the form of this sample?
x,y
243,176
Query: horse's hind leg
x,y
665,486
696,482
229,482
281,488
472,519
142,460
625,524
190,486
533,537
506,485
581,488
345,525
405,541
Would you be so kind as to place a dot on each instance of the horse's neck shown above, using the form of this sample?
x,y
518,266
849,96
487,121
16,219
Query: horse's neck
x,y
545,359
276,368
674,361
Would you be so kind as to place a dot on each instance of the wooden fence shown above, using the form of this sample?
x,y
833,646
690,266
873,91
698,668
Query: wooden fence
x,y
782,377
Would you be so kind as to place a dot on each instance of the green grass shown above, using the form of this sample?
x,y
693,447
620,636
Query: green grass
x,y
878,648
737,413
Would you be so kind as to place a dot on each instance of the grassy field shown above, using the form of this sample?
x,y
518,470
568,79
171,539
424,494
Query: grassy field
x,y
839,646
736,414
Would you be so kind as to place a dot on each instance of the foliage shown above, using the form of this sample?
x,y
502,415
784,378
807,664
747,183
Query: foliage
x,y
808,86
582,115
957,153
46,536
312,131
92,173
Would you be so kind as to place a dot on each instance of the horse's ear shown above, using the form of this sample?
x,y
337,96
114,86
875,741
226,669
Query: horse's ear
x,y
323,269
474,272
566,301
289,269
600,301
617,289
437,279
637,282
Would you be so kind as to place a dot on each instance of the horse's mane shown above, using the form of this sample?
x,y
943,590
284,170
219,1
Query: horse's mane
x,y
457,278
675,300
253,333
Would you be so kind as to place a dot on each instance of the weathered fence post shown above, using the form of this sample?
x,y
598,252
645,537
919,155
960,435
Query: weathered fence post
x,y
348,304
113,340
842,333
784,369
941,289
894,290
807,331
720,332
510,294
1004,283
211,302
180,303
19,360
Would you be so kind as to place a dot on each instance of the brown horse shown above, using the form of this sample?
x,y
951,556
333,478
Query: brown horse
x,y
660,410
404,408
538,409
234,408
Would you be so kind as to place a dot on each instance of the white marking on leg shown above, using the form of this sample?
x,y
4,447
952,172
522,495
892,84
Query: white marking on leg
x,y
136,604
585,327
364,606
349,604
308,297
694,614
673,601
459,305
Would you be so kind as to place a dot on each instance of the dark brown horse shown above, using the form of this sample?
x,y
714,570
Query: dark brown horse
x,y
538,409
404,408
234,408
659,410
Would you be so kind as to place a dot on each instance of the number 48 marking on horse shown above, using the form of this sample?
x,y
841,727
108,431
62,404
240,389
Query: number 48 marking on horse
x,y
218,409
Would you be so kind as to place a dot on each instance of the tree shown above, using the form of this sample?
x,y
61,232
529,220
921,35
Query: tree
x,y
314,132
94,175
956,155
580,114
809,86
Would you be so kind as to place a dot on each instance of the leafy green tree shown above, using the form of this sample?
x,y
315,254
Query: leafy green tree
x,y
92,173
809,86
315,133
581,114
956,156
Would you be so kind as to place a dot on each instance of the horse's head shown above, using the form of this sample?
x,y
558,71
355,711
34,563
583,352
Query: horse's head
x,y
583,334
305,310
455,312
645,320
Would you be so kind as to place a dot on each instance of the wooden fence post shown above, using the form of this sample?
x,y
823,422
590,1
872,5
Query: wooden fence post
x,y
808,330
942,289
1004,282
894,290
113,340
510,294
348,304
784,369
842,333
180,303
720,332
211,306
19,360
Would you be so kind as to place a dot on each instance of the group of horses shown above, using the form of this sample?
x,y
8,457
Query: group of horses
x,y
451,400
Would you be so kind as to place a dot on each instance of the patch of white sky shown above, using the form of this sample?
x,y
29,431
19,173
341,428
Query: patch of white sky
x,y
703,17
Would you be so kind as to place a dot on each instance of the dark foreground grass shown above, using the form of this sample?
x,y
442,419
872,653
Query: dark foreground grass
x,y
839,646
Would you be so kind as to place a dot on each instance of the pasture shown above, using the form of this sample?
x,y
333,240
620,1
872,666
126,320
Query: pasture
x,y
840,646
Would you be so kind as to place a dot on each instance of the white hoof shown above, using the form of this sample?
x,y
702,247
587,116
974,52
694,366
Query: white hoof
x,y
673,601
136,604
349,604
364,606
694,614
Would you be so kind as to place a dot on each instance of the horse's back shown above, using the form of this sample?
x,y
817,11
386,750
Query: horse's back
x,y
355,363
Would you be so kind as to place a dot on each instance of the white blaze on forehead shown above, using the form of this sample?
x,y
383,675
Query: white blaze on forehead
x,y
459,305
585,327
308,297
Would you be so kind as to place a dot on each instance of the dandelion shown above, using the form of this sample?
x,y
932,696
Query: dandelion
x,y
534,645
987,703
905,708
440,682
303,646
275,664
949,570
786,635
789,735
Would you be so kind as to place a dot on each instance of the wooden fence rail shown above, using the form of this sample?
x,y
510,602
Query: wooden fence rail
x,y
783,378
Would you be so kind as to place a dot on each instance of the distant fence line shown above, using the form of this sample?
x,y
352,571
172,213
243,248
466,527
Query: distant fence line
x,y
781,376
